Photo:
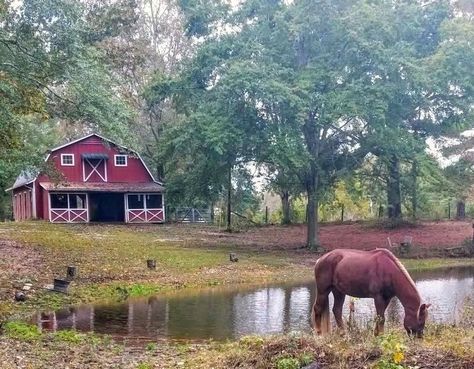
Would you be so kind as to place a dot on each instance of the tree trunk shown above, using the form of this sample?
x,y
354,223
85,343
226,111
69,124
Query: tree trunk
x,y
380,214
312,241
393,189
285,205
229,193
414,193
461,209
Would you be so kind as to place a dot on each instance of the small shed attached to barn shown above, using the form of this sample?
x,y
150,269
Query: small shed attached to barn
x,y
98,181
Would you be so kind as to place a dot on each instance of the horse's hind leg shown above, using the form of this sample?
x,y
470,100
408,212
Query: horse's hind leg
x,y
321,321
337,308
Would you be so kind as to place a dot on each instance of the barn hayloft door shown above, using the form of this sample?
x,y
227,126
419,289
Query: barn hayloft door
x,y
94,167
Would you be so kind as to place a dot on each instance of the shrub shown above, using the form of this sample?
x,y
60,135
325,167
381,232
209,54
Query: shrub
x,y
288,363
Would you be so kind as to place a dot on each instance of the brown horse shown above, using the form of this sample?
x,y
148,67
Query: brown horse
x,y
377,274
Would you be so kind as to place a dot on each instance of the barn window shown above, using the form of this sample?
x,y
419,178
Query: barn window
x,y
59,201
120,160
136,202
68,201
77,201
144,201
153,202
67,159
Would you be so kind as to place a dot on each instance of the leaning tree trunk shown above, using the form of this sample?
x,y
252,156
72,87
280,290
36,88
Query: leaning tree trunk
x,y
393,189
285,205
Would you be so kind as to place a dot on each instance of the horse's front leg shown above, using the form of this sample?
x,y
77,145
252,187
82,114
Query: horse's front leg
x,y
381,304
337,308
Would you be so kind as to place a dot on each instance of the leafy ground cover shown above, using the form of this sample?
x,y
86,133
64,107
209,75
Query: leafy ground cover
x,y
444,347
112,265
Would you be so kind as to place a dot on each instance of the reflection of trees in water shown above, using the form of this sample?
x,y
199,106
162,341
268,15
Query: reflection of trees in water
x,y
260,312
201,316
299,309
394,311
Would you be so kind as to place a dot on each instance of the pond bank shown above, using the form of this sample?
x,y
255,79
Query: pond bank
x,y
443,347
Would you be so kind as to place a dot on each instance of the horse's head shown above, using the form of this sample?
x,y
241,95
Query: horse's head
x,y
415,324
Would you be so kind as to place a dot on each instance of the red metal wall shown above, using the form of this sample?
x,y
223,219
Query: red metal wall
x,y
40,196
135,171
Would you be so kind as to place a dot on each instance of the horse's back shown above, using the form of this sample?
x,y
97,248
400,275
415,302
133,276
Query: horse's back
x,y
352,271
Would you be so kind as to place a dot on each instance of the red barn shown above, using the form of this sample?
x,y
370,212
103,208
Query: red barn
x,y
92,179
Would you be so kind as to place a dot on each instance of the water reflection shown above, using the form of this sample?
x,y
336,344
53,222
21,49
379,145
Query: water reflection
x,y
231,313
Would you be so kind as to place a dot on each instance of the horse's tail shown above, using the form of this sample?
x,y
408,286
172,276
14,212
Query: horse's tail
x,y
326,319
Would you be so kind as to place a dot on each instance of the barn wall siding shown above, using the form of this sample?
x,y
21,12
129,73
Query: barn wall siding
x,y
133,172
22,203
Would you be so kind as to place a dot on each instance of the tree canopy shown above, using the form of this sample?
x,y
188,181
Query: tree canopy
x,y
310,88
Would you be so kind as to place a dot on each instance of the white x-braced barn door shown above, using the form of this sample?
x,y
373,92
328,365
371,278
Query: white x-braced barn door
x,y
94,170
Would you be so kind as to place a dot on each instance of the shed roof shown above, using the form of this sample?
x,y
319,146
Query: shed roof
x,y
25,178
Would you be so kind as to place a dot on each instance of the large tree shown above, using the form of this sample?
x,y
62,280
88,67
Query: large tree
x,y
418,60
51,76
275,82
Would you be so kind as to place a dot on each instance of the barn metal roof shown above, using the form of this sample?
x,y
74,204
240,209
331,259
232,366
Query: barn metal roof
x,y
25,178
95,155
102,187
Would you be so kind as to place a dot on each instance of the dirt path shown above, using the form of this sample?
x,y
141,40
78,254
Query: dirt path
x,y
428,235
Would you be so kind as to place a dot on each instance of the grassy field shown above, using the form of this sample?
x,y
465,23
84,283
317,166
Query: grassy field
x,y
112,265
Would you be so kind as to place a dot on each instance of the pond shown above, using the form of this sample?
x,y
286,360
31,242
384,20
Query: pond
x,y
222,313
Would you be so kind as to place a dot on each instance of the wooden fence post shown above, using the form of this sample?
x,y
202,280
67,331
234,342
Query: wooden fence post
x,y
71,272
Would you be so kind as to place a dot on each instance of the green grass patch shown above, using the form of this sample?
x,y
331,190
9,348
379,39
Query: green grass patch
x,y
144,366
70,336
22,331
435,263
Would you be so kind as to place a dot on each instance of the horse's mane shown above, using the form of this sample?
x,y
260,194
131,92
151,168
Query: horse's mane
x,y
402,268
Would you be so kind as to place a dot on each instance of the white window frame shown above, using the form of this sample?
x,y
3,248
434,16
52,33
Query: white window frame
x,y
68,200
120,165
66,213
145,211
67,164
145,207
